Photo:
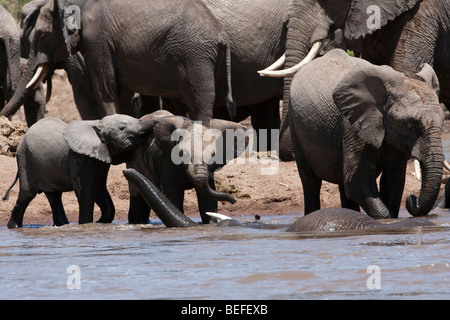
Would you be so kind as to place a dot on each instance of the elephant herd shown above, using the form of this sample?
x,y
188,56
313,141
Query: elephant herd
x,y
210,64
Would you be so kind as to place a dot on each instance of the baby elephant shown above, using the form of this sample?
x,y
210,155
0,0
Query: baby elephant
x,y
55,157
181,154
351,120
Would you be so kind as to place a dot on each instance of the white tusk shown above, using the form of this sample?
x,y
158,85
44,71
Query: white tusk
x,y
276,65
218,216
40,74
446,165
293,70
417,168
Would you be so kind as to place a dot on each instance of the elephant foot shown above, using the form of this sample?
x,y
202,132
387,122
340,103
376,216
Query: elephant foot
x,y
12,224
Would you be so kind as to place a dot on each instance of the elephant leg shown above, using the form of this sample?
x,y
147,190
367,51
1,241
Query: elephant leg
x,y
106,205
266,116
310,182
139,210
59,215
86,175
311,186
392,183
346,202
200,95
21,205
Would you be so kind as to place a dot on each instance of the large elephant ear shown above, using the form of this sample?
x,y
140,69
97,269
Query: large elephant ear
x,y
362,96
84,137
230,149
70,21
428,75
366,16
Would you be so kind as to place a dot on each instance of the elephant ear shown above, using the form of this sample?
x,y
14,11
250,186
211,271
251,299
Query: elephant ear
x,y
366,16
164,128
428,75
361,96
70,20
84,137
239,144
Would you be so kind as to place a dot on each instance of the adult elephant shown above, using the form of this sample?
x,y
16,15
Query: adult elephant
x,y
9,56
177,51
418,36
360,120
11,67
310,22
200,146
324,220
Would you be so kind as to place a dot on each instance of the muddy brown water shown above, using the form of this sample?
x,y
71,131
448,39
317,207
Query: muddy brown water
x,y
121,261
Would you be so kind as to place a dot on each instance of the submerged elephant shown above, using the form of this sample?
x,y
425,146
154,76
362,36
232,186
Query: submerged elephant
x,y
55,157
174,49
331,219
352,120
159,160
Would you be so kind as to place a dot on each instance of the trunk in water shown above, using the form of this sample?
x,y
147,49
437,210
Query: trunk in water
x,y
432,166
164,209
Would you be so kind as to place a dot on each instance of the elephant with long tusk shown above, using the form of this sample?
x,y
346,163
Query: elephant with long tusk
x,y
331,219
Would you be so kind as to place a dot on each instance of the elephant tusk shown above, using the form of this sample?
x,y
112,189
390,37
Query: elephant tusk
x,y
293,70
38,77
218,216
446,165
276,65
417,169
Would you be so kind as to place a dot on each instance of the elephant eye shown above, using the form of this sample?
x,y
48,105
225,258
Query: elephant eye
x,y
122,125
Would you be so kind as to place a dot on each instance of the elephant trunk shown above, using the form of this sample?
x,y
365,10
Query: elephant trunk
x,y
25,87
200,179
314,28
432,157
164,209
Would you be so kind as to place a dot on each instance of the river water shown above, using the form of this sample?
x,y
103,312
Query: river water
x,y
121,261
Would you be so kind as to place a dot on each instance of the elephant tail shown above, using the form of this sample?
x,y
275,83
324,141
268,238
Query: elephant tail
x,y
6,196
226,48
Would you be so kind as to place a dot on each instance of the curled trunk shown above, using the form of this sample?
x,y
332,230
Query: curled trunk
x,y
432,157
200,179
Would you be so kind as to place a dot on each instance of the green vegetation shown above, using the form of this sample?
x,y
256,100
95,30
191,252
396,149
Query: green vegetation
x,y
14,6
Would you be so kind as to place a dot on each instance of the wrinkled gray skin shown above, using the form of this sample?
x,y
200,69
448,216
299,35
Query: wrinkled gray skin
x,y
313,21
418,36
9,56
154,159
253,46
55,157
11,67
75,66
330,219
360,120
179,41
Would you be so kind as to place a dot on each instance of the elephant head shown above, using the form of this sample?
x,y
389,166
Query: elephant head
x,y
199,151
313,21
54,37
108,139
384,107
